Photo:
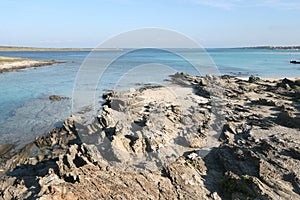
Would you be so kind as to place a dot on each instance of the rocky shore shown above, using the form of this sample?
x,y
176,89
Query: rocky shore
x,y
11,64
198,138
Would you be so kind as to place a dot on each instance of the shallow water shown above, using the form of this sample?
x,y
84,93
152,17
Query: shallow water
x,y
261,62
27,112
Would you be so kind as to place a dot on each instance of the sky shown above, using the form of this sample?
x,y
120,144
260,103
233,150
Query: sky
x,y
212,23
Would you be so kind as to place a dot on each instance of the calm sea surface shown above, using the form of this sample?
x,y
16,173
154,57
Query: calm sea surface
x,y
26,111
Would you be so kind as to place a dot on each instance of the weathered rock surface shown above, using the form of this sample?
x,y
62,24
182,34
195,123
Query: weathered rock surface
x,y
200,138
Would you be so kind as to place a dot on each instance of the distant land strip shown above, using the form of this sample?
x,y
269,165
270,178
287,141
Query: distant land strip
x,y
273,47
13,48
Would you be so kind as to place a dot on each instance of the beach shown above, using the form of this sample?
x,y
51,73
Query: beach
x,y
12,63
204,137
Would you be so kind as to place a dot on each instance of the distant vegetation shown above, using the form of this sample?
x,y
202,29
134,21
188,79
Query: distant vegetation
x,y
10,48
274,47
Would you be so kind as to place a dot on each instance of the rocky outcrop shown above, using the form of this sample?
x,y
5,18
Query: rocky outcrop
x,y
57,98
199,138
8,64
289,119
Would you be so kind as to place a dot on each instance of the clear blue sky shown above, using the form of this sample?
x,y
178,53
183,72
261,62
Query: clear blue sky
x,y
213,23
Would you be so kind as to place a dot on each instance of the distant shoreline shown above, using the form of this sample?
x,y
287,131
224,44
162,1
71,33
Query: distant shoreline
x,y
17,49
271,47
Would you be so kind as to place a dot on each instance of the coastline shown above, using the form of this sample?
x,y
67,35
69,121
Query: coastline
x,y
16,49
8,64
37,49
200,138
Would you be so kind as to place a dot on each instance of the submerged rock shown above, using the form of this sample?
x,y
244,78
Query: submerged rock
x,y
55,98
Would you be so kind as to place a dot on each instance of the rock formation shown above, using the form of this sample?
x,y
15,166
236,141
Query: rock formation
x,y
198,138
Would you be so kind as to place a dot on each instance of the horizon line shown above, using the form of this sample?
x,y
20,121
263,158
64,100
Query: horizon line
x,y
91,48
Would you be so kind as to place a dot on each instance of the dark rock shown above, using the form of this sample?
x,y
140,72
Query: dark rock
x,y
286,118
5,148
286,83
201,91
203,82
118,104
266,102
55,98
253,79
227,77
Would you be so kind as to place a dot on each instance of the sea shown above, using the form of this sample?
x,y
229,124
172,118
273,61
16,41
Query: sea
x,y
26,111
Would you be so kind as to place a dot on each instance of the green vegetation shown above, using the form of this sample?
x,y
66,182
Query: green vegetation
x,y
193,163
246,177
190,162
231,185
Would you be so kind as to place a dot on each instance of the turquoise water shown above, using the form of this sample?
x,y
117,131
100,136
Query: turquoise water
x,y
261,62
26,111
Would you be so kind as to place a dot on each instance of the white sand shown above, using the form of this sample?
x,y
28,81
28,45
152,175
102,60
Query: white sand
x,y
9,63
